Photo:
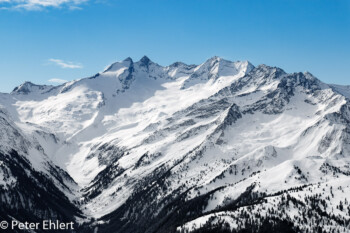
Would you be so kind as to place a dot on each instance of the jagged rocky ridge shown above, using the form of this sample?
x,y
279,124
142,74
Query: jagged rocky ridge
x,y
219,147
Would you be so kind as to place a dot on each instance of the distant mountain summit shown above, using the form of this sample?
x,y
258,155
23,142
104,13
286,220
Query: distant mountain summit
x,y
218,147
29,87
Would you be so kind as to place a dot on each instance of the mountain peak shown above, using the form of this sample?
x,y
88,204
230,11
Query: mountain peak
x,y
127,62
23,87
28,83
267,68
28,87
128,59
177,64
145,60
214,59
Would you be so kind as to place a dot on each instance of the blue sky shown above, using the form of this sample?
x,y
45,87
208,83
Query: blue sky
x,y
42,40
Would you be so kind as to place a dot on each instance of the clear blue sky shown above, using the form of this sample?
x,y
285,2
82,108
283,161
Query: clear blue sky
x,y
37,42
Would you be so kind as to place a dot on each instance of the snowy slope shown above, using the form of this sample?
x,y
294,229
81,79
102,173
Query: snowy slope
x,y
186,147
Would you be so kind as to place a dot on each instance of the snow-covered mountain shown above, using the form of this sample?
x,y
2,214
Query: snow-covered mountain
x,y
219,147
